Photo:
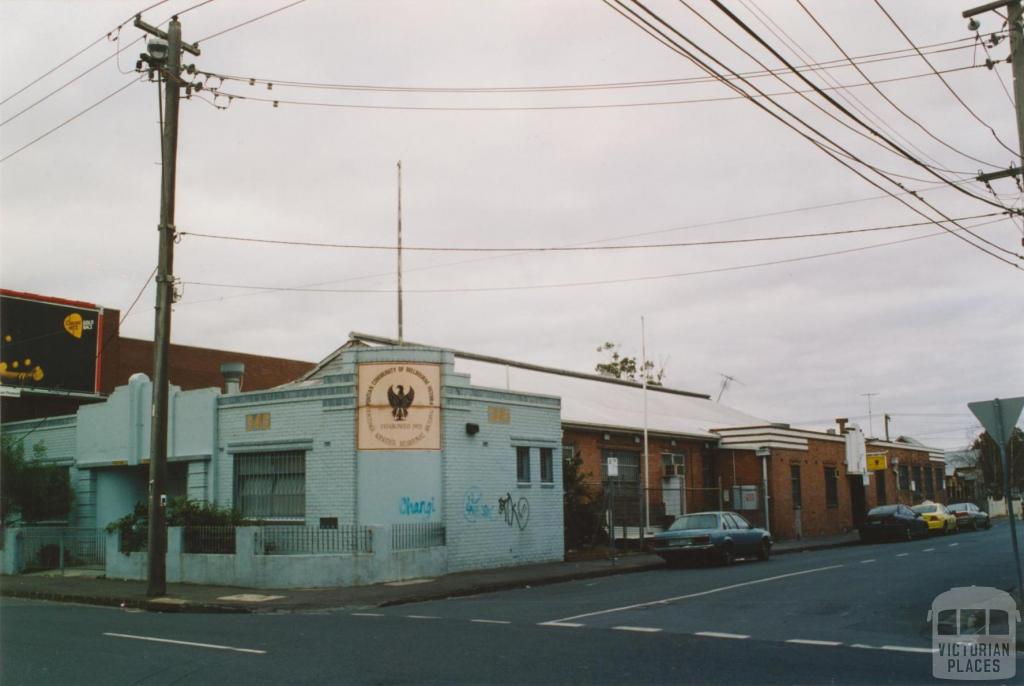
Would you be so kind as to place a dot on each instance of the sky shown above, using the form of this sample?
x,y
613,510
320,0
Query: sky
x,y
497,152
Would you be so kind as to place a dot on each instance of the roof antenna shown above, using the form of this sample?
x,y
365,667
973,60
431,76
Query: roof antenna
x,y
726,380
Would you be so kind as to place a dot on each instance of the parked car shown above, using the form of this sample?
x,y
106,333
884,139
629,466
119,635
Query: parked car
x,y
719,536
970,516
892,521
939,519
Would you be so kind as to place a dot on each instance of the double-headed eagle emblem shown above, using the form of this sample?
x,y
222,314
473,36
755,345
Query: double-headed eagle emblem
x,y
400,401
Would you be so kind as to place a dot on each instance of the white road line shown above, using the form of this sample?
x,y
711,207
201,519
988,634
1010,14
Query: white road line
x,y
812,642
366,614
567,625
909,649
490,621
861,645
953,545
422,617
928,550
864,562
186,643
641,629
902,554
666,601
719,634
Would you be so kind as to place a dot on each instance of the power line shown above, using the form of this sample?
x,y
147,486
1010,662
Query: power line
x,y
230,96
584,248
944,82
648,28
831,64
68,120
575,284
248,21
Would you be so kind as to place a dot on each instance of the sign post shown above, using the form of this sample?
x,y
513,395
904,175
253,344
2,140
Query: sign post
x,y
999,417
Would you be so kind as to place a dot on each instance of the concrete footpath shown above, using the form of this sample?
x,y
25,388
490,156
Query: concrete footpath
x,y
81,586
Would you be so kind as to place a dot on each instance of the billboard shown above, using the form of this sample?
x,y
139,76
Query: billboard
x,y
49,344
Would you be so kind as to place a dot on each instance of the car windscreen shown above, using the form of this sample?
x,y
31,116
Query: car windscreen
x,y
957,508
925,508
695,521
884,510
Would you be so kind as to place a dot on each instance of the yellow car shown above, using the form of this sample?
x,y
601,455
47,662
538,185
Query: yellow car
x,y
938,518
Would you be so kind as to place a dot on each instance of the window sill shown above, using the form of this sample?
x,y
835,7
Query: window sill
x,y
524,484
549,484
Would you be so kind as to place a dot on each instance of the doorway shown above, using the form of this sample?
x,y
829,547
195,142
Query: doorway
x,y
858,503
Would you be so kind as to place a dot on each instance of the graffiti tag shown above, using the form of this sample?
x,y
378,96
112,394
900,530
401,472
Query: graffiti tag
x,y
407,507
475,508
517,512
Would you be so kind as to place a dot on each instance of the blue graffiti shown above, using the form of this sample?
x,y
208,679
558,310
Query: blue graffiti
x,y
407,507
475,508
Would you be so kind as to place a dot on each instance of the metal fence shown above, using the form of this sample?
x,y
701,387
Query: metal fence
x,y
417,535
55,547
306,540
209,540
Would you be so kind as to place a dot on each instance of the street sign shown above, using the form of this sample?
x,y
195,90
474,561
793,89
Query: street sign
x,y
613,466
998,417
878,462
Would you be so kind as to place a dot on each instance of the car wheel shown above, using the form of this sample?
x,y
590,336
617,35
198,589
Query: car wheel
x,y
974,525
765,552
727,556
909,533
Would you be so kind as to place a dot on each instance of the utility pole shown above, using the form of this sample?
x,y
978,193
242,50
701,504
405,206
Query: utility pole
x,y
164,57
871,416
401,336
1014,16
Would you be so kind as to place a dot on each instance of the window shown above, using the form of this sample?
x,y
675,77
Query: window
x,y
271,485
794,480
629,464
708,470
929,484
547,468
940,483
880,487
522,464
904,478
916,484
831,487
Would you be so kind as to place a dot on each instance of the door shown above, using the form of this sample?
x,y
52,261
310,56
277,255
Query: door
x,y
858,501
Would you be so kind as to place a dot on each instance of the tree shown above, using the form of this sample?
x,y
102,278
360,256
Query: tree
x,y
31,490
626,368
991,466
582,507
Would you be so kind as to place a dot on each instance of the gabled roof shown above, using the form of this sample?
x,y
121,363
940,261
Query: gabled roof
x,y
593,401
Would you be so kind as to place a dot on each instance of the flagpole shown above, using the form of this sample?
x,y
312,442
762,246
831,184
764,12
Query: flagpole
x,y
647,465
401,333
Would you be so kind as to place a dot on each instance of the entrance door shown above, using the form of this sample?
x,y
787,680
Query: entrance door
x,y
858,502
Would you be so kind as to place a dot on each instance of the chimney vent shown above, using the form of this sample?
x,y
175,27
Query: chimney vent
x,y
232,373
841,421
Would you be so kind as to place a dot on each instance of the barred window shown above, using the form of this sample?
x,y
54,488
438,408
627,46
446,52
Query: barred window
x,y
547,468
904,484
629,464
831,487
918,485
880,487
929,485
794,482
523,464
271,485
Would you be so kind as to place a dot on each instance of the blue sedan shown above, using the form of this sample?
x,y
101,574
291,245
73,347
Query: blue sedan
x,y
721,536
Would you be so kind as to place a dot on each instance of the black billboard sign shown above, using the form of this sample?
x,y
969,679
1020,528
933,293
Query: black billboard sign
x,y
49,344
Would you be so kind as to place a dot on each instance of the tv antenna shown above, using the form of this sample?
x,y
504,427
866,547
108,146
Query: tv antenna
x,y
726,380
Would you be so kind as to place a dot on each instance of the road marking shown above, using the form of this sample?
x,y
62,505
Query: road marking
x,y
861,645
812,642
490,621
422,617
953,545
719,634
902,554
864,562
186,643
666,601
567,625
909,649
367,614
641,629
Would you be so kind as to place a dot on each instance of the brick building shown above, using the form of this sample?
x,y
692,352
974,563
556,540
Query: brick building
x,y
109,362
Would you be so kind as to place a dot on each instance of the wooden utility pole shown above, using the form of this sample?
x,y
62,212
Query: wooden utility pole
x,y
169,67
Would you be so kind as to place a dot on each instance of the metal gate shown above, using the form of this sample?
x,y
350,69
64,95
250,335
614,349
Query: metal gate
x,y
53,547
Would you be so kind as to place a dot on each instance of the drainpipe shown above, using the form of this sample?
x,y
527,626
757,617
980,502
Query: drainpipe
x,y
765,454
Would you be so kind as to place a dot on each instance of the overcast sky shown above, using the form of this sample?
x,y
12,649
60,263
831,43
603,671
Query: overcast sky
x,y
928,325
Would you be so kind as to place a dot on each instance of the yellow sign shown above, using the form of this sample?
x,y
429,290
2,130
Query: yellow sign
x,y
877,462
399,406
257,422
73,324
499,415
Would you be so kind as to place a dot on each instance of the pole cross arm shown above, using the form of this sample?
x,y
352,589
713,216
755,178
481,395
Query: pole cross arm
x,y
967,14
148,28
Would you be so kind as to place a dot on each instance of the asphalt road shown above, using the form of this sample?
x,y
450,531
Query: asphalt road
x,y
848,615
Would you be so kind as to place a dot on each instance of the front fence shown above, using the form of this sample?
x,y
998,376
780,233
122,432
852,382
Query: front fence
x,y
305,540
209,540
54,547
417,535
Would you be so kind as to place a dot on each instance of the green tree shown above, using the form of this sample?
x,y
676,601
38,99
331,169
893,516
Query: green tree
x,y
582,507
626,368
991,466
31,490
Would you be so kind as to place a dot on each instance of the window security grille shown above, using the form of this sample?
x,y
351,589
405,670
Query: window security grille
x,y
271,485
